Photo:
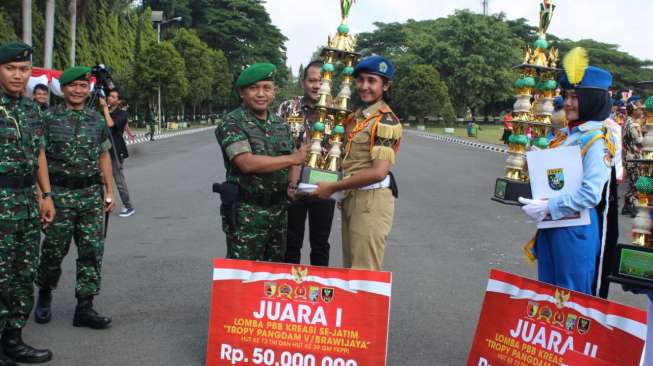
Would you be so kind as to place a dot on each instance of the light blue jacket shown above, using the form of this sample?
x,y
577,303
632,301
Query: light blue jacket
x,y
597,163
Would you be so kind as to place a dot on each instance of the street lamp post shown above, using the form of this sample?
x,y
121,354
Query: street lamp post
x,y
157,17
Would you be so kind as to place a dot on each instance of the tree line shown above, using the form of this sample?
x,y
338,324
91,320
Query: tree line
x,y
445,67
462,62
195,63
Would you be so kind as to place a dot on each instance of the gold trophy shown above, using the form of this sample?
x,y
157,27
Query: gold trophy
x,y
532,111
633,263
323,163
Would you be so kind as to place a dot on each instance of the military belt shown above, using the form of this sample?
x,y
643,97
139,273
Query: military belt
x,y
267,199
17,182
75,182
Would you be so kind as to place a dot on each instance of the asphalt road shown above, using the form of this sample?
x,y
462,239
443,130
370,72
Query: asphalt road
x,y
447,235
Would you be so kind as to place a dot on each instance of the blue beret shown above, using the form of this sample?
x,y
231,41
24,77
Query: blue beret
x,y
15,52
594,78
558,102
618,102
375,65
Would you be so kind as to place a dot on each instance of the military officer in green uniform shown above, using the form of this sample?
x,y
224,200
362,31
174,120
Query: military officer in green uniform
x,y
77,148
258,152
22,166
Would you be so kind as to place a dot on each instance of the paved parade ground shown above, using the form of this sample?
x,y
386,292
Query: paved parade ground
x,y
446,236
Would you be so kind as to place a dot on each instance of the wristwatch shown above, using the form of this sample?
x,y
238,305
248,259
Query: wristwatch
x,y
47,194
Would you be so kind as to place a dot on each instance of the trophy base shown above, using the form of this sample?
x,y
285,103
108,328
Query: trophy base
x,y
315,176
633,266
310,177
508,191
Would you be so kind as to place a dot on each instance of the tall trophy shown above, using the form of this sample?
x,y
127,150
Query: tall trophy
x,y
535,90
324,159
633,263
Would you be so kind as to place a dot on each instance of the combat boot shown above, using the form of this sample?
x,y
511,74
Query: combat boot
x,y
86,316
17,350
43,312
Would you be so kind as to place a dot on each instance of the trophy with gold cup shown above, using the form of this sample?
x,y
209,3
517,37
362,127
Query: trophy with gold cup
x,y
535,90
324,159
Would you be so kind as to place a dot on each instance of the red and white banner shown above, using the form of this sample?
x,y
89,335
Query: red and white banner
x,y
525,322
292,315
47,77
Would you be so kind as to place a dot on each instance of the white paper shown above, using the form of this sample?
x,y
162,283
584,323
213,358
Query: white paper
x,y
554,172
307,189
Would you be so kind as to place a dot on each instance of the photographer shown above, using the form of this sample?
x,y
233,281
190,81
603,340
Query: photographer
x,y
117,125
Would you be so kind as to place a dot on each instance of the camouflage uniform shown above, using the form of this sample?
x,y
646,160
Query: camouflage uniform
x,y
74,142
632,141
21,137
260,230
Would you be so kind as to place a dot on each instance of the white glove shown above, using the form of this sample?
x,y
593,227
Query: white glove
x,y
536,209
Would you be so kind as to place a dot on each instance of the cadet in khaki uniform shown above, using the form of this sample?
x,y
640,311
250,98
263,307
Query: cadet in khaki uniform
x,y
374,134
22,166
257,149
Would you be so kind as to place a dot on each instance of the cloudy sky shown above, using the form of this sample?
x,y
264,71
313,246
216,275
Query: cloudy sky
x,y
308,22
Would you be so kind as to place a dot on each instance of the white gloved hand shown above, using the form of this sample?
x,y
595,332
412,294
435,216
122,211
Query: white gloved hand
x,y
536,209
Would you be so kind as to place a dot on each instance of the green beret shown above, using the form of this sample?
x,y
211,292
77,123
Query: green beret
x,y
75,73
15,52
256,73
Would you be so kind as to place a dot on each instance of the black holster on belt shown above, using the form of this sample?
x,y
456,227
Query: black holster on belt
x,y
229,193
393,185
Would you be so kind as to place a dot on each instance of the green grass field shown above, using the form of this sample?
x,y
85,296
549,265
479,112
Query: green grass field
x,y
488,133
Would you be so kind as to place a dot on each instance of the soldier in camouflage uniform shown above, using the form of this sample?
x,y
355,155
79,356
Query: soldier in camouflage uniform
x,y
258,151
632,145
77,150
22,165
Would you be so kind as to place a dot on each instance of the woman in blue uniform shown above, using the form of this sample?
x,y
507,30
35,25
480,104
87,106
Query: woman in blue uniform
x,y
569,256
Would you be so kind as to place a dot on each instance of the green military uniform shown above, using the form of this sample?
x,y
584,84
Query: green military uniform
x,y
21,138
259,232
75,139
21,141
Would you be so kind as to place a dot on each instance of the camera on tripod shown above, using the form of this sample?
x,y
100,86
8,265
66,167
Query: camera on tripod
x,y
103,84
103,80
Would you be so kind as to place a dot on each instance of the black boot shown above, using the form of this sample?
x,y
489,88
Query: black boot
x,y
17,350
43,312
85,316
